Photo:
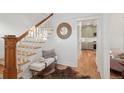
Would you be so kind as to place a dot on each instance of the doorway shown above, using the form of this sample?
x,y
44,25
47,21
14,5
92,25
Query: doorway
x,y
87,47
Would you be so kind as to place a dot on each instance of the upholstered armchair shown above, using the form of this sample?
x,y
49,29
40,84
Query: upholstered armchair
x,y
47,62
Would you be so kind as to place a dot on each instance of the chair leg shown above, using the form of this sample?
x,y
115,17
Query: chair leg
x,y
55,66
33,73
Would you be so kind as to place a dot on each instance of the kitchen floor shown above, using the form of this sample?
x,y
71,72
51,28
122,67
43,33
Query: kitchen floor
x,y
87,64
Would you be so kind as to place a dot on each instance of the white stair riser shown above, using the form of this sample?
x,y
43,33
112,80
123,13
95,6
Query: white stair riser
x,y
32,43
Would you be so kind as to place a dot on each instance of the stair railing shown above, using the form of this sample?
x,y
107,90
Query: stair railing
x,y
12,42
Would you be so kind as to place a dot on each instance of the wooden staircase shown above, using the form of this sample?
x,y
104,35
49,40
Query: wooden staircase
x,y
20,50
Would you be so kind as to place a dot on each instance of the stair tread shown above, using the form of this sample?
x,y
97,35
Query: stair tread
x,y
29,46
34,41
20,64
27,53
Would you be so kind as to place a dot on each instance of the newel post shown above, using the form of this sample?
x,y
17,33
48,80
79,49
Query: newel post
x,y
10,70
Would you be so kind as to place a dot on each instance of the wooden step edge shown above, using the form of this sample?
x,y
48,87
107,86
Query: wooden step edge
x,y
34,41
29,47
26,55
37,47
20,64
32,54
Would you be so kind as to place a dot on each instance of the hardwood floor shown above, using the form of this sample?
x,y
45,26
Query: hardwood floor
x,y
87,64
115,75
1,69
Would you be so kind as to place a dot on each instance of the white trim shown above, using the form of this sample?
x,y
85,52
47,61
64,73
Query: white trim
x,y
99,39
88,18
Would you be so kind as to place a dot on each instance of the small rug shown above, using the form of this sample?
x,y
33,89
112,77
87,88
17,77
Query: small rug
x,y
67,73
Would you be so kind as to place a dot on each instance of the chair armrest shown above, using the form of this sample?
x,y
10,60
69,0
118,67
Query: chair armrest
x,y
56,58
42,59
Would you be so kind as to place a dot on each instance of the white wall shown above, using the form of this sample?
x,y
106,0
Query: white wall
x,y
116,31
67,49
16,24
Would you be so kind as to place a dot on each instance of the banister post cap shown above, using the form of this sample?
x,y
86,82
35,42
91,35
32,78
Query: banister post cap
x,y
9,36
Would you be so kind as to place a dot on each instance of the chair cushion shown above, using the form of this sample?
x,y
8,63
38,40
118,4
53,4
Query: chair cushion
x,y
38,66
48,61
48,53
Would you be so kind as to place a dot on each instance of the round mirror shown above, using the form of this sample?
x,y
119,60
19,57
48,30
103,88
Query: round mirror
x,y
64,30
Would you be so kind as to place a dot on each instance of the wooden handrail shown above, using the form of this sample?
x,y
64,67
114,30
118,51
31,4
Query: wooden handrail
x,y
22,36
42,21
38,24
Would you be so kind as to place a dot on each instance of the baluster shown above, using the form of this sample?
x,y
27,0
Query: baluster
x,y
47,29
38,33
17,51
45,34
29,34
25,55
18,59
36,29
33,34
42,34
33,39
32,49
20,54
